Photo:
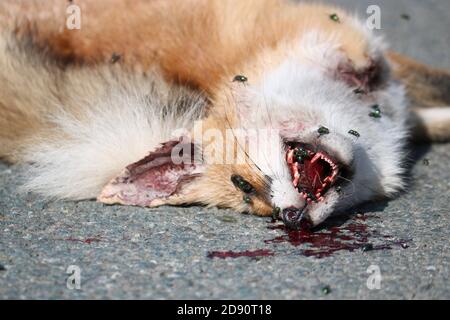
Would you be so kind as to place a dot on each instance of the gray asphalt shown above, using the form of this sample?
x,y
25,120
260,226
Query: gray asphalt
x,y
127,252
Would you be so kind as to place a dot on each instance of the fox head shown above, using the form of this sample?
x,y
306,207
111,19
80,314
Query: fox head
x,y
301,142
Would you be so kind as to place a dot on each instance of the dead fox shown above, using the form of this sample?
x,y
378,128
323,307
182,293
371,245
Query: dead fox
x,y
162,102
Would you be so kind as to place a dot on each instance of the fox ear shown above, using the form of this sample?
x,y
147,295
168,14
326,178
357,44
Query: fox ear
x,y
428,90
369,78
157,179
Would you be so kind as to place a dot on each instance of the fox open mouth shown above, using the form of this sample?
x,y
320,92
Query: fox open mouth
x,y
313,173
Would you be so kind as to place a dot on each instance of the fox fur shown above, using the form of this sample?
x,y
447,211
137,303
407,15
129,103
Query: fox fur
x,y
97,112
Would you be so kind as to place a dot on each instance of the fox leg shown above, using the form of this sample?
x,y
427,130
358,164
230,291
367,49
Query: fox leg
x,y
428,90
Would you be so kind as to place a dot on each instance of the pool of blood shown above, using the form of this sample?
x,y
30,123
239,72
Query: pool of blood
x,y
355,235
325,242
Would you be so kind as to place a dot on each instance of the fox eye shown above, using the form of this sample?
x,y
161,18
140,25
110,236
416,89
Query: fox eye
x,y
241,184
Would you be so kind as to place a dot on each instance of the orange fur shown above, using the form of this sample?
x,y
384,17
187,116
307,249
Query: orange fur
x,y
215,40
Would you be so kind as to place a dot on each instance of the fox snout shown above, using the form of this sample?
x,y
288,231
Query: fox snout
x,y
295,218
318,167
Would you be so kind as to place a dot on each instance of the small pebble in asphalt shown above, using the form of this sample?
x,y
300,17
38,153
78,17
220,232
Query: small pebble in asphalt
x,y
426,162
228,219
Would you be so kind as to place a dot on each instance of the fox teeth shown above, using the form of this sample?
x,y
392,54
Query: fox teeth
x,y
316,157
290,156
296,178
319,187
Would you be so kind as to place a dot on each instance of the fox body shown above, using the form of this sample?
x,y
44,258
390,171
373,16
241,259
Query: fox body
x,y
262,106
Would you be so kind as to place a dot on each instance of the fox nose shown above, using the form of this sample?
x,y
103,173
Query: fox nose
x,y
295,218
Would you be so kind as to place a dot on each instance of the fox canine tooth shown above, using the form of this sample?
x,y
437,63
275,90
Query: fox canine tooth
x,y
296,178
316,157
290,156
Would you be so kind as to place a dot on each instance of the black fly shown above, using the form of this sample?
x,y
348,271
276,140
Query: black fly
x,y
335,18
240,78
115,57
376,112
323,130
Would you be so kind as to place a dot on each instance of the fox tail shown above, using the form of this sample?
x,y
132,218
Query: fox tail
x,y
78,127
